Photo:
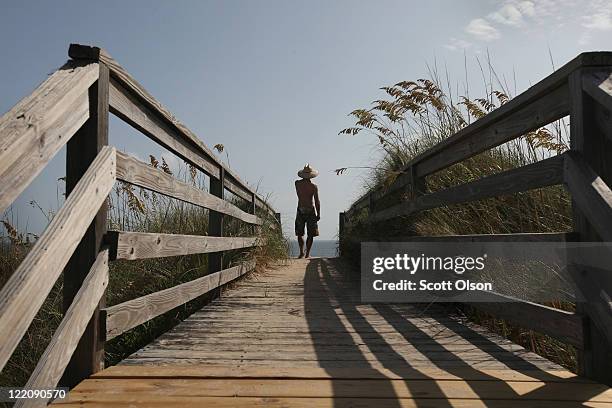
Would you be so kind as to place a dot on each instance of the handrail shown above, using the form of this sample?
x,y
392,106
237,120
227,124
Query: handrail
x,y
136,97
42,122
72,107
541,104
581,89
133,171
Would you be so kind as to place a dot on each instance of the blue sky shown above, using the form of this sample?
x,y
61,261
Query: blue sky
x,y
274,80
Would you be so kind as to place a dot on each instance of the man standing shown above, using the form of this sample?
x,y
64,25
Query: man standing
x,y
307,214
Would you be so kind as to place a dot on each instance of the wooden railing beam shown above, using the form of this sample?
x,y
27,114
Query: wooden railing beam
x,y
134,171
536,175
144,245
127,315
35,129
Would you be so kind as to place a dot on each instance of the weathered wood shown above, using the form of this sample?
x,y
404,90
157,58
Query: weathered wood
x,y
54,360
363,388
520,237
215,222
541,104
331,368
588,175
261,203
35,129
497,129
81,152
235,189
141,245
140,94
559,324
591,194
127,400
127,315
26,290
598,84
213,371
136,113
132,170
541,174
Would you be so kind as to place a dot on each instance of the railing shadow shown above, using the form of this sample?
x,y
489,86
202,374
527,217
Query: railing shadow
x,y
329,291
318,280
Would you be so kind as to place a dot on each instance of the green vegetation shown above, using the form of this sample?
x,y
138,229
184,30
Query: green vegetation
x,y
135,209
416,115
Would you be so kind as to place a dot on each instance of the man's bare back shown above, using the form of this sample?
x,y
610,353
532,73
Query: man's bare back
x,y
307,193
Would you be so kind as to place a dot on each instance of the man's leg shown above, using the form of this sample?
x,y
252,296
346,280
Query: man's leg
x,y
308,245
301,245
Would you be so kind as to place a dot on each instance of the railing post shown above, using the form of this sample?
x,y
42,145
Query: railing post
x,y
341,218
417,184
589,138
255,230
278,219
82,149
215,222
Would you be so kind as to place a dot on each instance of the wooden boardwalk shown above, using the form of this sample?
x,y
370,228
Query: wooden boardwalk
x,y
297,336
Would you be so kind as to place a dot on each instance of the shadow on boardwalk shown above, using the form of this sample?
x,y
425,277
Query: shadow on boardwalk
x,y
367,337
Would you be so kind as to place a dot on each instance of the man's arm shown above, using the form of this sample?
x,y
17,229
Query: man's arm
x,y
317,202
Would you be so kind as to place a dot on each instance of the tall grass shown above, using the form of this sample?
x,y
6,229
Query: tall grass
x,y
136,209
415,115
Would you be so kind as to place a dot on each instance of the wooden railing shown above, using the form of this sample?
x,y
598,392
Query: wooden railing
x,y
72,108
581,89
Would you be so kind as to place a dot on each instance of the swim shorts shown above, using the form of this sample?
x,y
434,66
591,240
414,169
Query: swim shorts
x,y
306,217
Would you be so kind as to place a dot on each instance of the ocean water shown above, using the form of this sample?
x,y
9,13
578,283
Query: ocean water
x,y
320,247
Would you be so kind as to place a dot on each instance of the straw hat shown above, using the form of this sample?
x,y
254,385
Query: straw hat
x,y
308,172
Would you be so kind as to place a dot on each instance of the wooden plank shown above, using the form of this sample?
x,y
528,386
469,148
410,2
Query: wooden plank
x,y
130,400
519,237
541,174
352,355
35,129
477,138
263,204
26,290
141,245
130,109
364,388
541,104
559,324
127,315
132,170
598,84
333,365
591,194
54,360
235,189
241,371
136,90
